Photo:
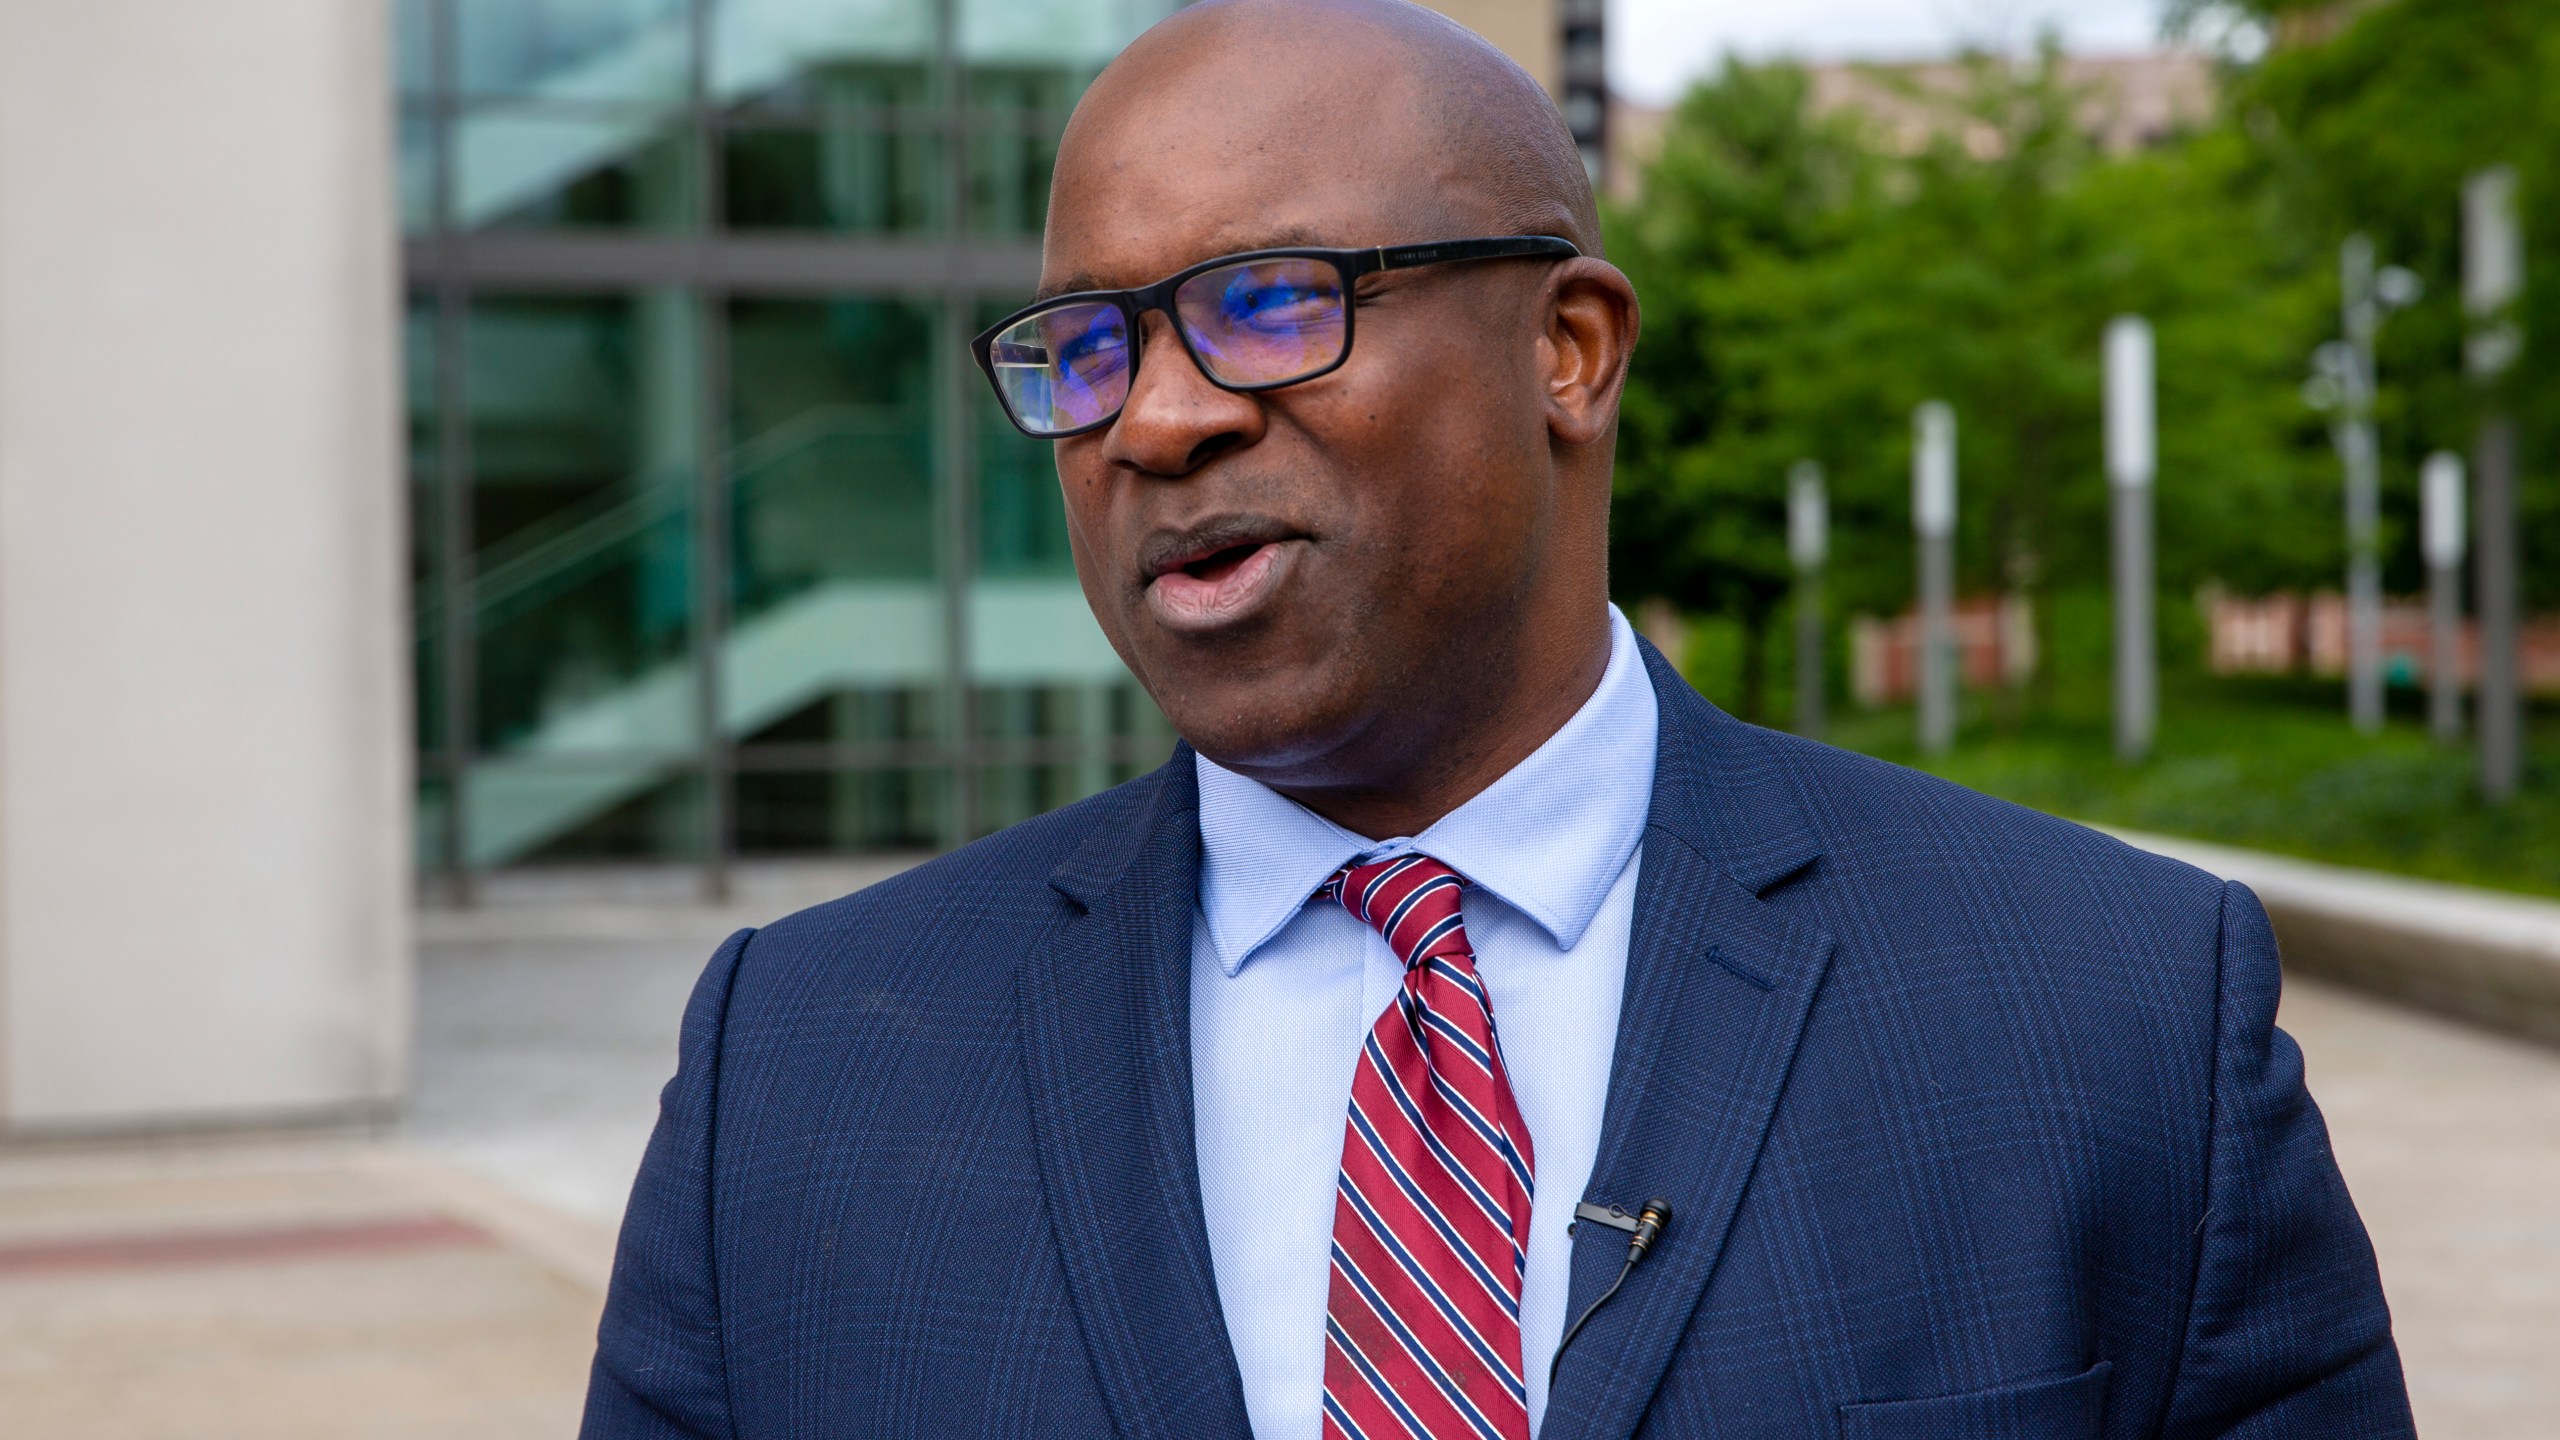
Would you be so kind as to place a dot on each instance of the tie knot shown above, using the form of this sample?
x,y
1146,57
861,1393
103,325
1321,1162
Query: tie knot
x,y
1411,900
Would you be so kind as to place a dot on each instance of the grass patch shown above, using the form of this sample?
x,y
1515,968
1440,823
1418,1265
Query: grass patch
x,y
2264,762
2272,765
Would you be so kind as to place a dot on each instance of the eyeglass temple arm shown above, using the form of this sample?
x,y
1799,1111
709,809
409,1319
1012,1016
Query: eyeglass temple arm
x,y
1400,257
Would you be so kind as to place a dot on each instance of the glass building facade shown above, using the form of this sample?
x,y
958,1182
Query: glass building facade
x,y
721,549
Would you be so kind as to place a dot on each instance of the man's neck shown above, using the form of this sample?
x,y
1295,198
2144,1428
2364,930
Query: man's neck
x,y
1454,765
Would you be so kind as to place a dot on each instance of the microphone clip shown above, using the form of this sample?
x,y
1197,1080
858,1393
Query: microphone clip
x,y
1643,1228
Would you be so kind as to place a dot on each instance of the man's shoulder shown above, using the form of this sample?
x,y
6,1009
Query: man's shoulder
x,y
1975,930
1904,839
1865,804
950,916
1916,854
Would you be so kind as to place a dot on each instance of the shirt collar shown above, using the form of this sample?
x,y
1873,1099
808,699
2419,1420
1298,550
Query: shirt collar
x,y
1549,838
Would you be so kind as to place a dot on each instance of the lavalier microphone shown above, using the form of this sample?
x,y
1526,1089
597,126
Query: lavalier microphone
x,y
1644,1229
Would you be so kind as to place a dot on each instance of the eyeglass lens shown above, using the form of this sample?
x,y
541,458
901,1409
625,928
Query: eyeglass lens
x,y
1256,322
1063,368
1261,322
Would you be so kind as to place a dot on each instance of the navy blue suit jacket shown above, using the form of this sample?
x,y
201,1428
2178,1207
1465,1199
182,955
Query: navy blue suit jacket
x,y
1975,1123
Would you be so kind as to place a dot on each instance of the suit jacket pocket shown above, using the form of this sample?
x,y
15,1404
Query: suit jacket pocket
x,y
2039,1410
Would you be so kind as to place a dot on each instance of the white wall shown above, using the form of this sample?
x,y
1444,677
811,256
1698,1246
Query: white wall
x,y
202,650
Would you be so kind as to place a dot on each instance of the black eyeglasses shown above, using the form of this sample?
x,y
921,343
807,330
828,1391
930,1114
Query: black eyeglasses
x,y
1252,321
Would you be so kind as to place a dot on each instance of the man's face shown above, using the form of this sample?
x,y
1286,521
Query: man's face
x,y
1286,572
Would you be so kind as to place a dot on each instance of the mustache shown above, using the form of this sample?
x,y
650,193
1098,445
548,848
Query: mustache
x,y
1169,549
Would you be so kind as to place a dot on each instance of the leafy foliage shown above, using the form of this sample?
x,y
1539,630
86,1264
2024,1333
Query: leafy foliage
x,y
2272,766
2375,129
1748,196
1806,284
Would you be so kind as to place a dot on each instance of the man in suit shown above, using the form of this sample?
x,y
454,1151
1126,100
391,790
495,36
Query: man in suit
x,y
1470,1032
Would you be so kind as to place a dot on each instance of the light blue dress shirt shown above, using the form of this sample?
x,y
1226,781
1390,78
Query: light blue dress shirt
x,y
1284,992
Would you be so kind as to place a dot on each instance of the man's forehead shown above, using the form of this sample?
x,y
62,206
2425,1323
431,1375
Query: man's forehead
x,y
1247,138
1095,267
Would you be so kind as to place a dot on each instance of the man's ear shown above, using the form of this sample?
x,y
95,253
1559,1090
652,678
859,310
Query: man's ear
x,y
1591,324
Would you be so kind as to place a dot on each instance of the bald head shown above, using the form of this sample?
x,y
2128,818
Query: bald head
x,y
1379,585
1446,133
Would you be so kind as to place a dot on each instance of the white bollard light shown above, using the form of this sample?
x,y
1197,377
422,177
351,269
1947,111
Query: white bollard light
x,y
2133,458
1809,546
2441,540
1933,522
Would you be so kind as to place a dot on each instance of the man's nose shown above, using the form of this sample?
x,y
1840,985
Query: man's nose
x,y
1175,421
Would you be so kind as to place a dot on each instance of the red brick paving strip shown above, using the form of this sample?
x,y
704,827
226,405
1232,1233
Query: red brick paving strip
x,y
218,1247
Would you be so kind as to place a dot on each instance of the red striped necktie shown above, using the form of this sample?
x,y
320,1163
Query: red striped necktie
x,y
1431,1211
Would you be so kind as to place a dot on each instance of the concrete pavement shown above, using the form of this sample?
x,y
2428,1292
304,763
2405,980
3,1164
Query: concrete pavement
x,y
445,1279
2449,1137
275,1289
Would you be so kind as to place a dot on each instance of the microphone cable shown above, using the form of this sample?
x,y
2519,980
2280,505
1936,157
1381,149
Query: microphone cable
x,y
1644,1228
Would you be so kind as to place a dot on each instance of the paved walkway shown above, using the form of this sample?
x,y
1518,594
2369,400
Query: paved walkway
x,y
277,1290
2450,1140
445,1281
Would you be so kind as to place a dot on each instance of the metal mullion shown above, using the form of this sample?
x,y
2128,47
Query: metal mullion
x,y
790,756
460,652
784,757
1023,120
711,591
779,757
613,759
925,118
779,263
958,488
928,118
1058,749
549,107
711,528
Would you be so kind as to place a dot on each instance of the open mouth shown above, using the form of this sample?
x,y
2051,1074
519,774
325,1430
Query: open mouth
x,y
1219,564
1216,580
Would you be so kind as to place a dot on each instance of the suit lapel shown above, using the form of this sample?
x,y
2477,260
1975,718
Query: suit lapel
x,y
1105,1014
1719,982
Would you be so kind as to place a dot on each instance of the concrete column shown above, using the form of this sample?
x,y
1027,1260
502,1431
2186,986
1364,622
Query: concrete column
x,y
203,702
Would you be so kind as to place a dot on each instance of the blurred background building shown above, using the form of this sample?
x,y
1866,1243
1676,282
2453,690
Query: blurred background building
x,y
719,547
715,547
2121,102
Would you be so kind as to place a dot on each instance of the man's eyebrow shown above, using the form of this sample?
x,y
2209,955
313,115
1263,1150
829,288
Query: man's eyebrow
x,y
1068,286
1234,243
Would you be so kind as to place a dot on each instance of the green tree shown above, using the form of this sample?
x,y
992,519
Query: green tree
x,y
1805,286
2374,128
1748,187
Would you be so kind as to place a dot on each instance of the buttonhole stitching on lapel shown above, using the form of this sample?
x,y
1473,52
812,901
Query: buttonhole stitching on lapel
x,y
1753,978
